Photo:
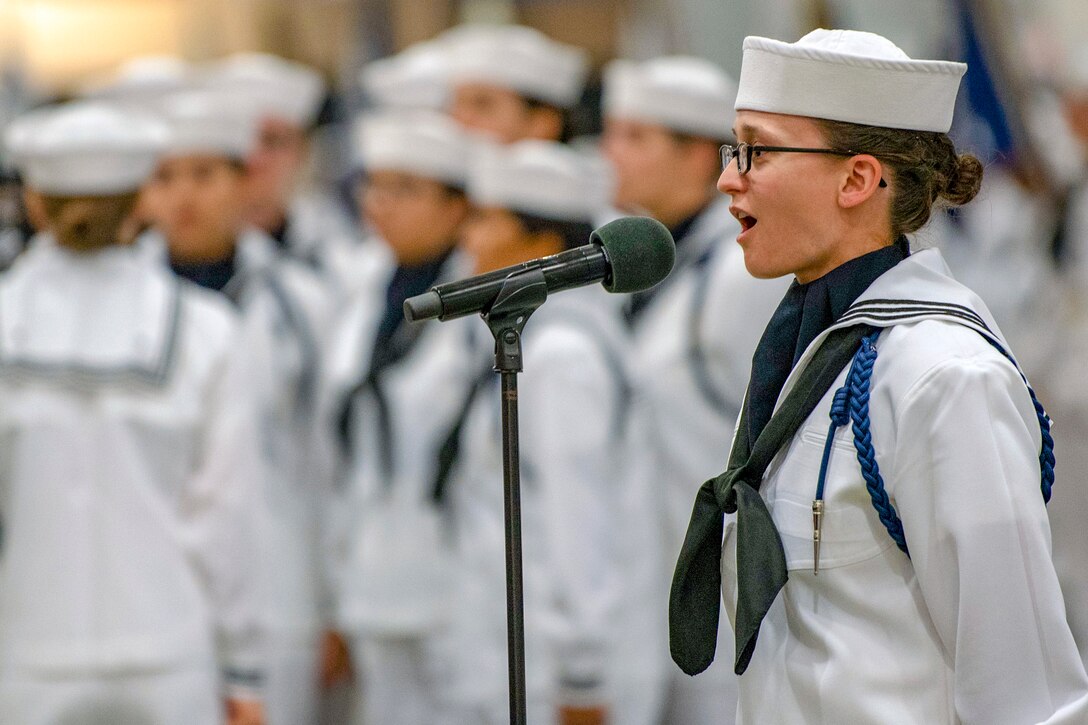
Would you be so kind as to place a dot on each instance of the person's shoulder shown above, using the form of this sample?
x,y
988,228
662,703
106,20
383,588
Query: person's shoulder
x,y
941,352
212,316
285,279
579,326
303,282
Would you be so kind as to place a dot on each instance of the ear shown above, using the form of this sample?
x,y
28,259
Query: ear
x,y
863,180
35,209
545,124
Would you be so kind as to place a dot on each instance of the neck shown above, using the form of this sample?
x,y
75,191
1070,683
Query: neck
x,y
415,263
269,218
206,253
849,247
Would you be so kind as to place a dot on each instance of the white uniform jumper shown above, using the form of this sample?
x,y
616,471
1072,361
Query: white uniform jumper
x,y
592,548
128,476
285,319
319,234
969,629
391,538
694,344
286,313
1068,401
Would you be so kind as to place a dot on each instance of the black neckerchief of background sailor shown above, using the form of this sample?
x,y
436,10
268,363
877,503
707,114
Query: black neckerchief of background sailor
x,y
279,234
212,275
407,281
805,312
393,340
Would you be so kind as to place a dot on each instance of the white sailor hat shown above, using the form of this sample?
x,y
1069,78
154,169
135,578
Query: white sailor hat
x,y
682,93
848,75
418,142
520,59
85,149
417,77
211,122
144,81
277,87
541,178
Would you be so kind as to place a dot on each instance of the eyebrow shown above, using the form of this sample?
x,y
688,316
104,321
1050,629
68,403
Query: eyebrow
x,y
748,129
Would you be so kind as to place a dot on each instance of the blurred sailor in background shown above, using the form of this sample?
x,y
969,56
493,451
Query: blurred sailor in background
x,y
394,396
592,551
695,332
197,199
130,463
513,83
306,222
417,78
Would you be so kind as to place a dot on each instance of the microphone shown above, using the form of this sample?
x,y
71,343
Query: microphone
x,y
626,255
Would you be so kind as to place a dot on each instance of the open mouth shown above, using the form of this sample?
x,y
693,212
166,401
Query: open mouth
x,y
747,221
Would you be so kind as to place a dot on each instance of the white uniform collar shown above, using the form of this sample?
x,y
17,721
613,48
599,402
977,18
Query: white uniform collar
x,y
108,316
921,287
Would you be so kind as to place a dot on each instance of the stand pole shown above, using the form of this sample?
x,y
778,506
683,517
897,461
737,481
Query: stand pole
x,y
515,605
520,296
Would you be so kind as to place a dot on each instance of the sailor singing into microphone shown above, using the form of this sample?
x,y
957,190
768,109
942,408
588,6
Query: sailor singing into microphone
x,y
882,513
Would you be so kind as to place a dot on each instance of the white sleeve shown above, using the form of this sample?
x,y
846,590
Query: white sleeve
x,y
967,490
328,472
317,438
569,397
220,510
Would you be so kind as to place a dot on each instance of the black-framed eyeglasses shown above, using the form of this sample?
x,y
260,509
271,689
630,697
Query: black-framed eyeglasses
x,y
745,152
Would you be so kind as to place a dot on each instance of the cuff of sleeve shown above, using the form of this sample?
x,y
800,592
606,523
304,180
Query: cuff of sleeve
x,y
243,683
582,691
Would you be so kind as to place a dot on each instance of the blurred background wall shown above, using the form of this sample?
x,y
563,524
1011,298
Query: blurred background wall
x,y
58,44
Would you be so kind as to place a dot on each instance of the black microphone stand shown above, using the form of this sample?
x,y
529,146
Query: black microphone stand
x,y
521,294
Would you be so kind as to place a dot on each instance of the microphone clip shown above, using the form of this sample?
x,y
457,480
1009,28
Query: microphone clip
x,y
520,296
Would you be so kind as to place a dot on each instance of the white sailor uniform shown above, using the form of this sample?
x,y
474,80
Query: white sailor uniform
x,y
390,543
128,477
592,549
971,628
286,313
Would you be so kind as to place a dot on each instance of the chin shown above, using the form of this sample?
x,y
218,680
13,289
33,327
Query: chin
x,y
761,268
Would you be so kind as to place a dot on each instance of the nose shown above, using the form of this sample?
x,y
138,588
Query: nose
x,y
731,182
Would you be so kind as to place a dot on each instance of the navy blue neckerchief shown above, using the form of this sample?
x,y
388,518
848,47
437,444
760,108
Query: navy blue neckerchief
x,y
406,282
212,275
695,599
393,341
805,312
279,235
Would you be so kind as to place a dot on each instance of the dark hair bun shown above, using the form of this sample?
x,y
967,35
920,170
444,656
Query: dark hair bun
x,y
961,185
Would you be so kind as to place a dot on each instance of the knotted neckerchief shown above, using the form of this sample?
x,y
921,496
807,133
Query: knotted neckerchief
x,y
695,601
393,341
